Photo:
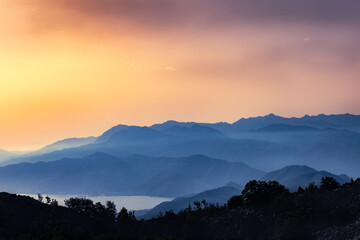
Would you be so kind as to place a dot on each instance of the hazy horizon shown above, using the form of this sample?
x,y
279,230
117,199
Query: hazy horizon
x,y
181,119
36,147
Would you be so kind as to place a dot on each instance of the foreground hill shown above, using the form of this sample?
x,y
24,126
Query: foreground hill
x,y
215,196
295,176
329,213
104,174
264,210
26,218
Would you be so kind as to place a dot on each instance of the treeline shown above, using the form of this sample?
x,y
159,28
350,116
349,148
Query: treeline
x,y
268,210
264,210
255,193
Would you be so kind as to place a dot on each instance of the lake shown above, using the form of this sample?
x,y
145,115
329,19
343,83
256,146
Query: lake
x,y
130,202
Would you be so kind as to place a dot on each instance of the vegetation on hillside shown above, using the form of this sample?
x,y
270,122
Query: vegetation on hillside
x,y
264,210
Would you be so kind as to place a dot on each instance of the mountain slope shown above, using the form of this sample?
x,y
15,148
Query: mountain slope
x,y
26,218
286,128
196,130
5,155
295,176
66,143
215,196
171,123
145,141
106,135
135,134
104,174
96,174
195,174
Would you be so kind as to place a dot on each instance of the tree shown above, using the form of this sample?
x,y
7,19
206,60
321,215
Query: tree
x,y
205,204
48,199
81,205
96,211
54,203
262,192
111,209
40,197
169,214
126,216
99,208
235,201
328,183
311,187
197,205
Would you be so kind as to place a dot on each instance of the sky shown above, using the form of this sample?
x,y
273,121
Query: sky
x,y
74,68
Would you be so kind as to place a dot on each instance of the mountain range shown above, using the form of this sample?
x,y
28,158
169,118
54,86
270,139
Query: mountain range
x,y
104,174
300,176
329,142
177,158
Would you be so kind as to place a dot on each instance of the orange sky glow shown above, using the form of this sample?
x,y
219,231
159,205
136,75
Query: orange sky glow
x,y
69,69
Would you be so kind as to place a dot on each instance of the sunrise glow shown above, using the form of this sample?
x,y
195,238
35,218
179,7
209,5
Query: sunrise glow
x,y
72,69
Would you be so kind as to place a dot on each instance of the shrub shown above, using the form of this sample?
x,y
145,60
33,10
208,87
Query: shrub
x,y
262,192
328,183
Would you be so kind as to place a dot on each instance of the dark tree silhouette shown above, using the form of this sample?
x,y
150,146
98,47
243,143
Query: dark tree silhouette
x,y
285,216
311,187
235,201
40,197
48,199
262,192
328,183
111,209
197,205
54,203
126,216
81,205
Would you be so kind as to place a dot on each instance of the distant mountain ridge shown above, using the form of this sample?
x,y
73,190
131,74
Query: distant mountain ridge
x,y
340,121
67,143
295,176
106,135
329,142
104,174
4,155
196,130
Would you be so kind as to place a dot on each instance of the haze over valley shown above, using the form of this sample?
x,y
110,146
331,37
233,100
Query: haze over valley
x,y
179,119
174,159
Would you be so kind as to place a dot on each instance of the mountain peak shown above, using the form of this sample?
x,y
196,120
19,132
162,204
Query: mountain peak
x,y
271,115
109,133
